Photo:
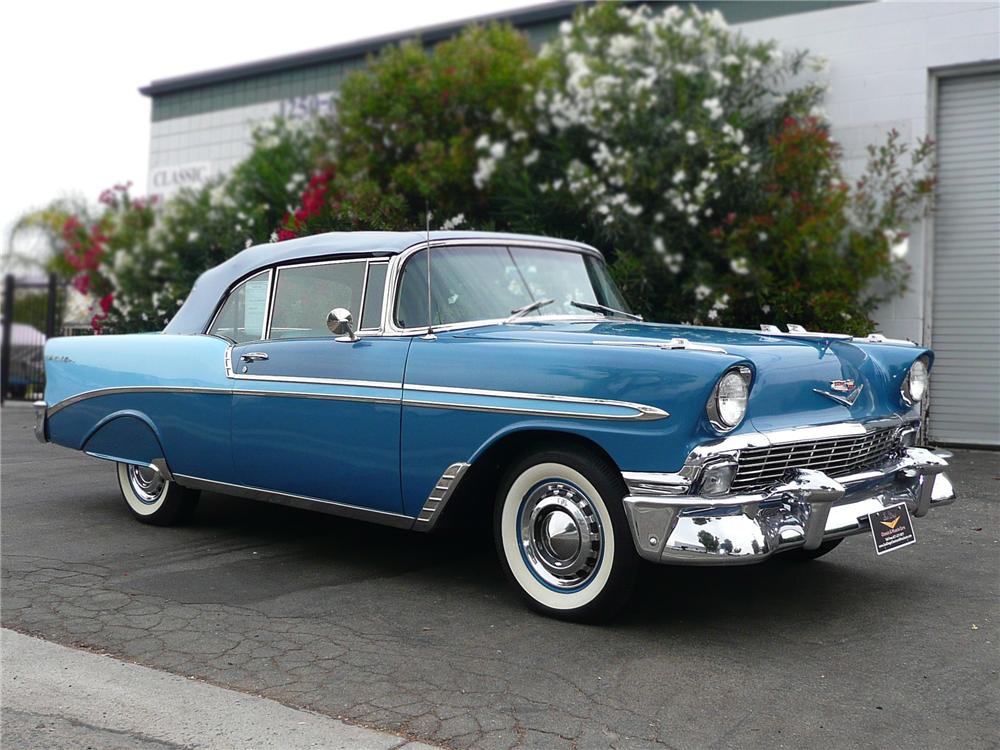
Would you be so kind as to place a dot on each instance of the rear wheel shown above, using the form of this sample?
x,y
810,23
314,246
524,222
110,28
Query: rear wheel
x,y
154,499
805,555
562,535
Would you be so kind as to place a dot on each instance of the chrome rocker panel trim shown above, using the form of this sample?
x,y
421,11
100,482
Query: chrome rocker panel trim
x,y
805,510
332,507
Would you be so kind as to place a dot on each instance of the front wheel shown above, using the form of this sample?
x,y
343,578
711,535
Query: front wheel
x,y
562,535
153,499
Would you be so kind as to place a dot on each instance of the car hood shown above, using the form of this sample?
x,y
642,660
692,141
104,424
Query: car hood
x,y
791,375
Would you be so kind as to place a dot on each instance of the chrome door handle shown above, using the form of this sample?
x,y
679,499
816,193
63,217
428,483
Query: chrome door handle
x,y
253,356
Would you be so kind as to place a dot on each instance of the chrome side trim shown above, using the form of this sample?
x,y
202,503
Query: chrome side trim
x,y
798,332
344,510
444,488
318,396
233,375
55,408
878,338
642,411
675,343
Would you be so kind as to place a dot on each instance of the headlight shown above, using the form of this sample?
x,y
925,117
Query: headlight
x,y
915,382
728,403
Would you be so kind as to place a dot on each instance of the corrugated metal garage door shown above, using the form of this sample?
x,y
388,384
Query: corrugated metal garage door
x,y
965,323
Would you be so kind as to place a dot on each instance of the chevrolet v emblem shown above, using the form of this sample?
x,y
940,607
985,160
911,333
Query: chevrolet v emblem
x,y
891,524
847,399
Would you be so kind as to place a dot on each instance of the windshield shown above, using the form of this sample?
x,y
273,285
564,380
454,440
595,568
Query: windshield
x,y
488,283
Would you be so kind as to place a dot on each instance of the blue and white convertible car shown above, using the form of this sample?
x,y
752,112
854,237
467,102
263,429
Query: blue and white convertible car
x,y
406,379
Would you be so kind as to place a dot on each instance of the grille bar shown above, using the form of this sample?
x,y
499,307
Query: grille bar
x,y
762,467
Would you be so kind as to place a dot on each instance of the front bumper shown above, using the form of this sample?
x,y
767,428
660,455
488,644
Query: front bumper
x,y
805,510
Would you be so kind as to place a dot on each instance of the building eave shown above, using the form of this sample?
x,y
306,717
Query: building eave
x,y
352,50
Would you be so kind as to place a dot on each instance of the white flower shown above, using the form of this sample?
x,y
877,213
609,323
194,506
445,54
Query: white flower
x,y
693,221
193,235
659,246
845,315
248,243
453,222
730,59
498,149
530,158
740,266
673,262
273,237
484,171
765,309
679,176
762,236
565,28
482,142
900,249
713,314
776,55
622,45
701,292
691,137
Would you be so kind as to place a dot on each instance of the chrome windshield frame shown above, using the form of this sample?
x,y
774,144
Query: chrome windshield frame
x,y
396,263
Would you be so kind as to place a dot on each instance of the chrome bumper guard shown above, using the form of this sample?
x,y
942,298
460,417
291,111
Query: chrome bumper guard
x,y
806,509
41,421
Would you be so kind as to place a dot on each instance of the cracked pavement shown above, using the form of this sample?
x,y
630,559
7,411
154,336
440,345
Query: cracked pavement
x,y
419,634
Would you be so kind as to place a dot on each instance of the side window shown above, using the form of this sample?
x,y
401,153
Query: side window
x,y
241,318
371,316
304,295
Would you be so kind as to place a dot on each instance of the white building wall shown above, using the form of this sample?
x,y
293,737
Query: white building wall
x,y
880,59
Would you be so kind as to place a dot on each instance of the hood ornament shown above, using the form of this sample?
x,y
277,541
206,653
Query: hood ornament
x,y
845,387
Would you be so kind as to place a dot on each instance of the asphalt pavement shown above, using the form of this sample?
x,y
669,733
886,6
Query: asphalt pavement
x,y
419,635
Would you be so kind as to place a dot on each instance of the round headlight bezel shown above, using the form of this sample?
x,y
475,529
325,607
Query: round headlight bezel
x,y
919,373
719,415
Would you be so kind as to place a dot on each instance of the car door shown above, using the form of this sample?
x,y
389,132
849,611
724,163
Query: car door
x,y
313,414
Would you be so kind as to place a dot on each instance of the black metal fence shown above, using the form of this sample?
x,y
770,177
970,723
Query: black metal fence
x,y
30,318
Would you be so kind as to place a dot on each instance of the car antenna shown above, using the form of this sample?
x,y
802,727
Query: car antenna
x,y
429,336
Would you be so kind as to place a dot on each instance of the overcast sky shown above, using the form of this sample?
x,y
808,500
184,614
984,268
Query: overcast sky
x,y
73,120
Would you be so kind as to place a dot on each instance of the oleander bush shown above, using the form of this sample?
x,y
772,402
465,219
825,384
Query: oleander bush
x,y
699,161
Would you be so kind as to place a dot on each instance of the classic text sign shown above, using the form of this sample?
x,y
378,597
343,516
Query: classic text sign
x,y
891,528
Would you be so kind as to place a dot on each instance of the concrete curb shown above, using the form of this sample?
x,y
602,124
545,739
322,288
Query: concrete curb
x,y
48,687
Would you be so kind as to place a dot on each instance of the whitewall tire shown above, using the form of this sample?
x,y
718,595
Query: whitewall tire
x,y
153,499
562,536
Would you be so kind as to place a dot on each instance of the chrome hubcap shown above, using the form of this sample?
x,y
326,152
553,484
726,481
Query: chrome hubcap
x,y
146,483
560,534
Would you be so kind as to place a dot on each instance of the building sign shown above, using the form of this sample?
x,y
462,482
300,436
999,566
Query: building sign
x,y
301,107
166,180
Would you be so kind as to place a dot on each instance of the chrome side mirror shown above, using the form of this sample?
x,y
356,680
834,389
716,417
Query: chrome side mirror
x,y
341,324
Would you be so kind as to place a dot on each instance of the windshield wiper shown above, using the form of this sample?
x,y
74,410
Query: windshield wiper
x,y
531,307
605,310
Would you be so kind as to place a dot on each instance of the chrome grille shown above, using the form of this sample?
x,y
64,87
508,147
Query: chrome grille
x,y
760,468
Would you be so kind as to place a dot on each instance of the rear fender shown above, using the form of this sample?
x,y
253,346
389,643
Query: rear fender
x,y
126,436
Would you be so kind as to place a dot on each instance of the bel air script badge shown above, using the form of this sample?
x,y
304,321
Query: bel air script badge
x,y
845,387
